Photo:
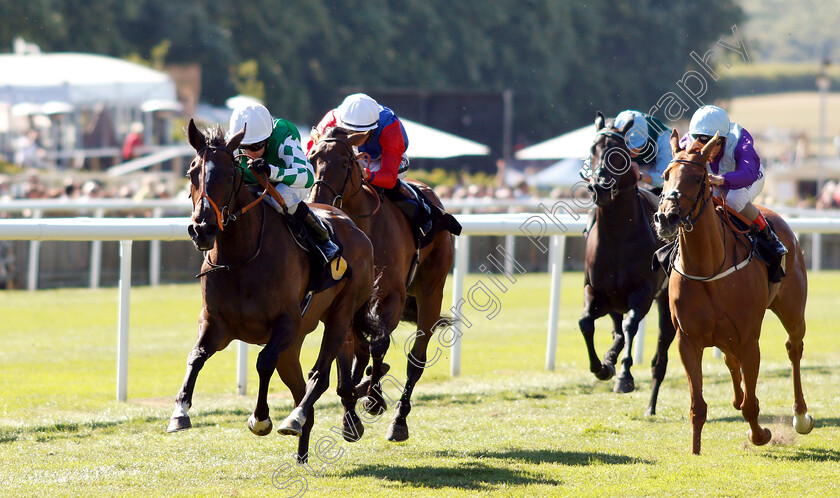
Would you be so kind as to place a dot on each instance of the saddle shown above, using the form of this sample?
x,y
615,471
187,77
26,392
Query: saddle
x,y
321,275
665,256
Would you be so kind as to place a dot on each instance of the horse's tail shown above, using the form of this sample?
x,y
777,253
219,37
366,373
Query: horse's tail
x,y
410,312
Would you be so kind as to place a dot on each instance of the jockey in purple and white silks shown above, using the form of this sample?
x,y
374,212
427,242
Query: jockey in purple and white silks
x,y
734,165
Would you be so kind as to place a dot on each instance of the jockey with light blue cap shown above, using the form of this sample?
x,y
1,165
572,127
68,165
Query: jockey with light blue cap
x,y
648,142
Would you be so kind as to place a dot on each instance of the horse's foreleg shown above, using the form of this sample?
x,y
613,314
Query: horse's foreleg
x,y
335,331
791,314
586,323
750,361
288,367
351,426
628,328
428,317
204,348
283,332
374,403
692,359
659,364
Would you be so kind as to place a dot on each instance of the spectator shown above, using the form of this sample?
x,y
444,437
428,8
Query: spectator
x,y
133,141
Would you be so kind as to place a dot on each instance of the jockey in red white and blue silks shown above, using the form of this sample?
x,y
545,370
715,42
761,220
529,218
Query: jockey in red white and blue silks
x,y
386,145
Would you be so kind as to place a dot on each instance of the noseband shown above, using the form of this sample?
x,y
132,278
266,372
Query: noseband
x,y
687,222
604,164
223,215
353,165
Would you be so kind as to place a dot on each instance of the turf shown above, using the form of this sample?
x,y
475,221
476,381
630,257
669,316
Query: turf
x,y
504,427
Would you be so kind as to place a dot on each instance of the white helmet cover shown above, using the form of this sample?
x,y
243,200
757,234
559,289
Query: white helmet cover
x,y
358,112
258,119
638,134
708,120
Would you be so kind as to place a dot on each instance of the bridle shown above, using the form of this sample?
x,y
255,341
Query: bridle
x,y
604,164
687,222
224,215
352,165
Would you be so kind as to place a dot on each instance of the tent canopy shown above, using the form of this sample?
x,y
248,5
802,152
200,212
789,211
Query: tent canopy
x,y
575,143
564,173
429,143
80,80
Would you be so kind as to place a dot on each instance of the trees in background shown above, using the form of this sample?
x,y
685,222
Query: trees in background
x,y
563,60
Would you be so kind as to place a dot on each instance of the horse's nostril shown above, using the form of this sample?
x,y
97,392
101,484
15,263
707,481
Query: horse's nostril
x,y
673,218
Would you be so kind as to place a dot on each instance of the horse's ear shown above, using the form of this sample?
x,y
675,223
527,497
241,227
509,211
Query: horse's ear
x,y
196,138
629,124
599,121
707,149
358,138
675,141
236,139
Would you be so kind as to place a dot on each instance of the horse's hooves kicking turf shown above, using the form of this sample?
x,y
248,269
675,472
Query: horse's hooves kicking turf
x,y
179,424
397,431
760,442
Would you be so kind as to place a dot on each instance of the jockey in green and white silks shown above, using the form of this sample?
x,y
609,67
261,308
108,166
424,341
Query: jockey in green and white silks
x,y
272,147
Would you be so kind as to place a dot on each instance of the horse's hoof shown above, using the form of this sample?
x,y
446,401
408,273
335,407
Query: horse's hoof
x,y
293,424
385,368
803,424
181,423
373,406
259,427
352,432
625,384
362,387
607,372
760,442
397,431
650,412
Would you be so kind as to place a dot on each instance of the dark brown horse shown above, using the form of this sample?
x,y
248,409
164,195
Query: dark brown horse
x,y
339,182
618,279
719,292
254,280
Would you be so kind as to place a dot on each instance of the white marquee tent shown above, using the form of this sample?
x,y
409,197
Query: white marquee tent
x,y
574,144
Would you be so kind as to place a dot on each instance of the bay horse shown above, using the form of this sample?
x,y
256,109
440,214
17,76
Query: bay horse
x,y
719,292
618,279
253,281
339,181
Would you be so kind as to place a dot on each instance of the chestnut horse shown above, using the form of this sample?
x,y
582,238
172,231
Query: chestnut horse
x,y
339,181
618,279
253,282
719,292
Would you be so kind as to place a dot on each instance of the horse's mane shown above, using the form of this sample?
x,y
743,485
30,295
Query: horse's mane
x,y
215,135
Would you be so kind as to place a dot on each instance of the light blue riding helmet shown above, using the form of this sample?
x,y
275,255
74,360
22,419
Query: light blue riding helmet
x,y
638,134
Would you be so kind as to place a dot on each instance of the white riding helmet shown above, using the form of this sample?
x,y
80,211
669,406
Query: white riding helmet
x,y
358,112
638,134
708,120
258,119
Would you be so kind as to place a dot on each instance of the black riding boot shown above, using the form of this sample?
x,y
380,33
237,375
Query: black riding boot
x,y
404,198
327,248
770,236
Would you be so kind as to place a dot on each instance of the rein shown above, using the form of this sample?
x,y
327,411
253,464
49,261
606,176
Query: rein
x,y
338,196
687,225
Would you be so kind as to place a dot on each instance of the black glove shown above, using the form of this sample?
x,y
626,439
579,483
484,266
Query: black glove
x,y
259,165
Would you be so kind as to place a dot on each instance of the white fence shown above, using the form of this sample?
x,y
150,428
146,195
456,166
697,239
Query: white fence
x,y
546,230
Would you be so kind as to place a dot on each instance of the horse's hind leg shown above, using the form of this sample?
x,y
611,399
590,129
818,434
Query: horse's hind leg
x,y
205,346
659,364
750,362
591,312
735,372
351,426
793,319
